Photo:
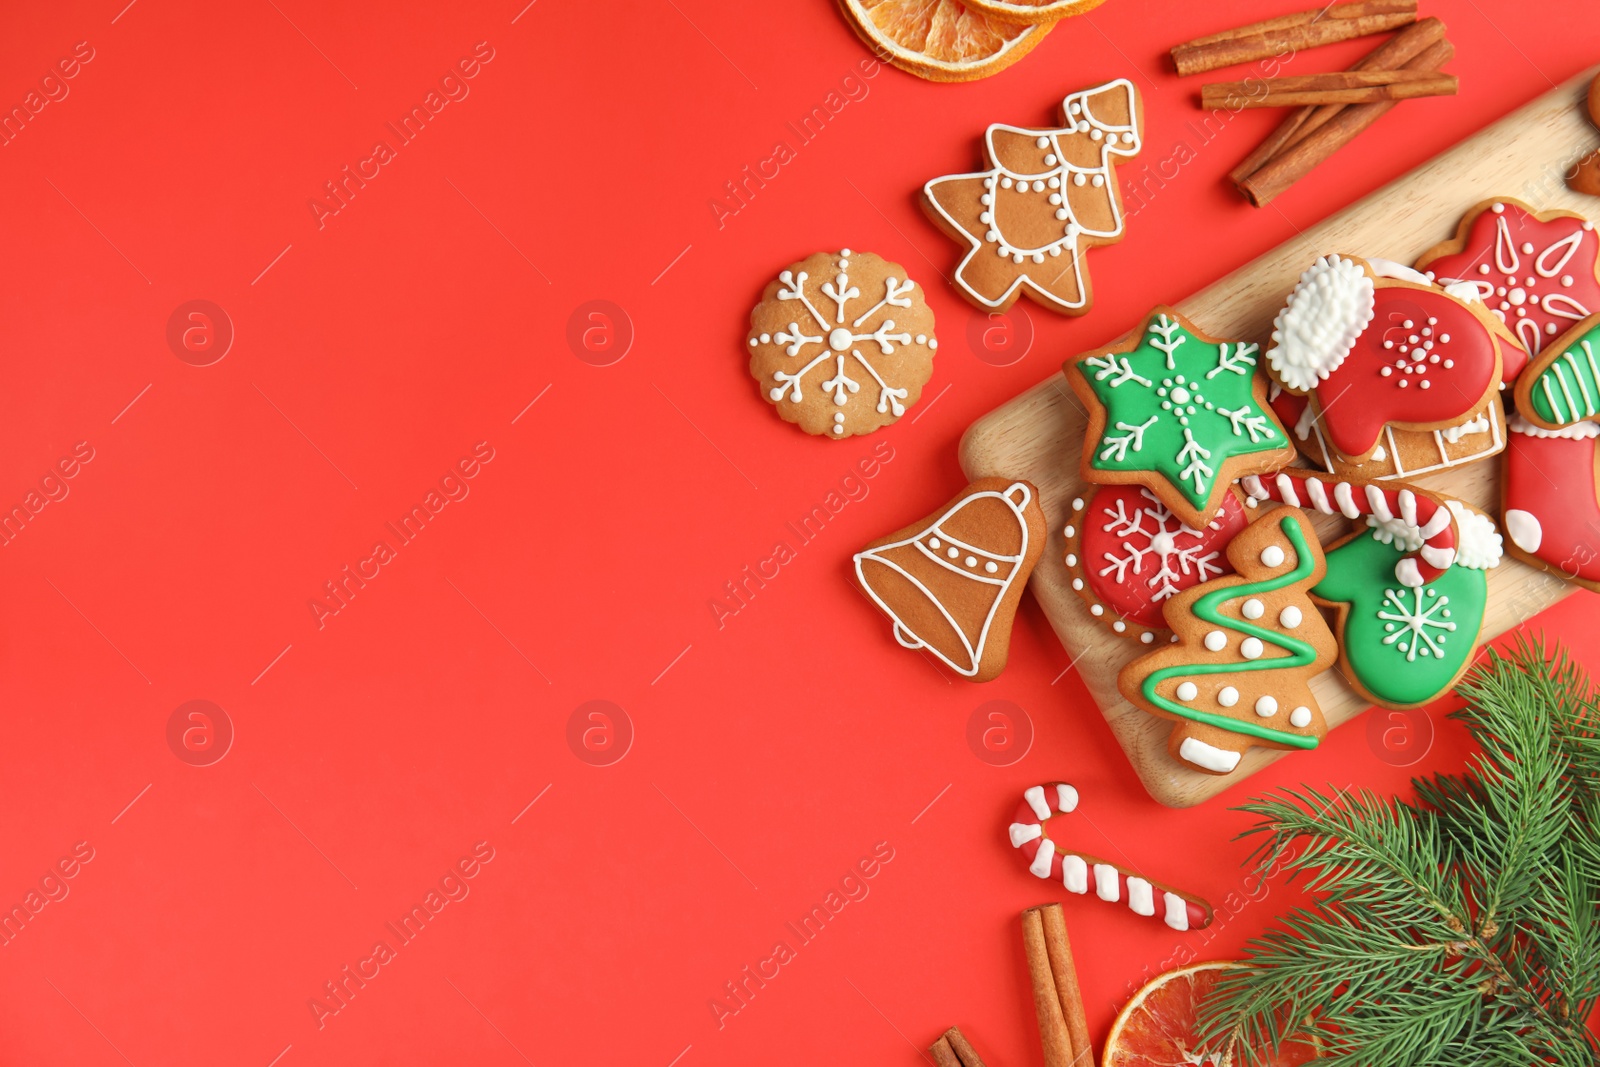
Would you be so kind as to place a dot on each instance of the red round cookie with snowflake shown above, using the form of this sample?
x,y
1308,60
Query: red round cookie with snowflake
x,y
1128,554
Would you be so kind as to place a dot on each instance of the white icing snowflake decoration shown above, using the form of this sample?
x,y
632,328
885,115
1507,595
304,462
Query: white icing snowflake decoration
x,y
1161,543
837,342
1417,621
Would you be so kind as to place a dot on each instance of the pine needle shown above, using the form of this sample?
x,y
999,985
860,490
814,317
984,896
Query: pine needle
x,y
1461,927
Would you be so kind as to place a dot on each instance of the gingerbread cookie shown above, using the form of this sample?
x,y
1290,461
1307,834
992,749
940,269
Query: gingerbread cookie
x,y
1400,453
951,582
842,345
1045,198
1127,553
1538,272
1248,645
1374,352
1074,870
1402,646
1562,385
1548,494
1178,412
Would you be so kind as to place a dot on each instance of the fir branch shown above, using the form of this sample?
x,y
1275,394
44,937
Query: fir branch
x,y
1462,927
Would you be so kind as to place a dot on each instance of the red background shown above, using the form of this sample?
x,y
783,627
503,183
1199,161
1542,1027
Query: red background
x,y
374,352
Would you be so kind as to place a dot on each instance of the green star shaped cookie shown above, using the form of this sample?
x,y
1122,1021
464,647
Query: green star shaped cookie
x,y
1178,412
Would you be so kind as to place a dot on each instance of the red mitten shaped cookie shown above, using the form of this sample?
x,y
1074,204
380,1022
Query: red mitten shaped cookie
x,y
1248,645
1400,453
951,582
1376,352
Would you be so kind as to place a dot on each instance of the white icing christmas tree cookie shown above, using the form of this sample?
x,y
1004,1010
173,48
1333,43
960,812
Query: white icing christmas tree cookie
x,y
1045,197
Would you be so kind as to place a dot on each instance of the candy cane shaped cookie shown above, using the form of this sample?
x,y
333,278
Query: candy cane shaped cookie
x,y
1076,871
1388,502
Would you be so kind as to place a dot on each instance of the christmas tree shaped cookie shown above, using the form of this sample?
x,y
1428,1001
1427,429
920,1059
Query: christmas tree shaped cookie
x,y
1562,386
1403,646
1045,198
1178,412
1248,645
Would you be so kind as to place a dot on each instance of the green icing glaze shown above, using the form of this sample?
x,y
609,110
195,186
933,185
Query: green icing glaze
x,y
1179,407
1405,646
1568,390
1301,653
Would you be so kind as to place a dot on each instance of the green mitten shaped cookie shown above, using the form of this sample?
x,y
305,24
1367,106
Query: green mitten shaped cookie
x,y
1404,647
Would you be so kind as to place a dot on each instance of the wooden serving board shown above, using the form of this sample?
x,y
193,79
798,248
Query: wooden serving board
x,y
1039,435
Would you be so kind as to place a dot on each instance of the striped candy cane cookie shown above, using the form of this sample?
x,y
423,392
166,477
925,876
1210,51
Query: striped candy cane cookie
x,y
1075,870
1387,501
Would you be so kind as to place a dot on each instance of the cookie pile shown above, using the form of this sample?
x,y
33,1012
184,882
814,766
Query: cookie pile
x,y
1195,538
1206,458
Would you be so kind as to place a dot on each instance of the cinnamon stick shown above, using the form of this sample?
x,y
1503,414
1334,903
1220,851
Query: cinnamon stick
x,y
1298,160
1065,971
1310,29
963,1049
1339,87
1301,18
1053,1033
1391,55
943,1055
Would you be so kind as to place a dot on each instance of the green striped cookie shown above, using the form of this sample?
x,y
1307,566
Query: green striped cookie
x,y
1566,388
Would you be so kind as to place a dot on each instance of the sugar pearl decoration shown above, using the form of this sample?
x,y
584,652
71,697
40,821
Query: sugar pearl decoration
x,y
1272,556
1300,717
1289,617
1267,707
1253,609
1188,690
1216,640
1251,648
1227,696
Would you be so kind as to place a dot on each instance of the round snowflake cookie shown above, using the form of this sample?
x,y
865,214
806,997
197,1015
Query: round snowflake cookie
x,y
842,344
1128,554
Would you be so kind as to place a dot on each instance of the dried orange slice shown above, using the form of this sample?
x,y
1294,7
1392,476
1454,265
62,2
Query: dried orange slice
x,y
941,40
1030,11
1157,1027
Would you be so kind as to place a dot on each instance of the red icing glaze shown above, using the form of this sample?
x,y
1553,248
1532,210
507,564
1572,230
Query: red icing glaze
x,y
1539,278
1552,480
1287,406
1407,373
1159,555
